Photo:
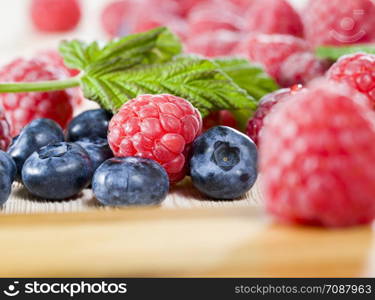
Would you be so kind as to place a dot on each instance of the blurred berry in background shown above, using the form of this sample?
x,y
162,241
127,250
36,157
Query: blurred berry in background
x,y
213,28
22,108
55,15
339,22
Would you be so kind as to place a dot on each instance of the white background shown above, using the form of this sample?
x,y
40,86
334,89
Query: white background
x,y
17,36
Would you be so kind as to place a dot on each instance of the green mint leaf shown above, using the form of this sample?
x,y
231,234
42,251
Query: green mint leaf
x,y
248,76
334,53
157,45
200,81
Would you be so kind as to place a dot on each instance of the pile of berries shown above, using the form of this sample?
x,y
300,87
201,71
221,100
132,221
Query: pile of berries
x,y
315,136
270,32
130,158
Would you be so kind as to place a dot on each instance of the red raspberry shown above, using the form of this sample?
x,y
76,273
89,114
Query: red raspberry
x,y
339,22
5,132
271,50
222,117
55,15
159,127
172,7
115,14
122,17
266,105
317,162
52,57
273,16
212,44
209,17
147,21
242,5
22,108
186,6
300,68
357,70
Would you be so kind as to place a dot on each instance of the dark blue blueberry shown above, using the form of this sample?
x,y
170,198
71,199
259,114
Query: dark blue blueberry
x,y
34,136
14,139
91,123
11,165
98,149
7,174
57,171
130,181
223,164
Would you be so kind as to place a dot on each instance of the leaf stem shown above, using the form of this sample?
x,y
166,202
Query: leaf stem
x,y
41,86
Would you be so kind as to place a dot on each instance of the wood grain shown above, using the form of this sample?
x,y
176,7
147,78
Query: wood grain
x,y
178,242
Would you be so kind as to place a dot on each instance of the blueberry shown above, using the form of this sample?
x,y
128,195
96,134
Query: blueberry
x,y
10,164
91,123
14,139
57,171
34,136
223,164
98,150
7,174
130,181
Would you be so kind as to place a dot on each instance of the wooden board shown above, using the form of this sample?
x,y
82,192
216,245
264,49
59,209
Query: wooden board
x,y
187,236
178,242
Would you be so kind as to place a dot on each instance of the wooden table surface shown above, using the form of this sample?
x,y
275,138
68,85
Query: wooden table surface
x,y
141,242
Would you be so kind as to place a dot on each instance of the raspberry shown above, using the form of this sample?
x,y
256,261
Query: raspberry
x,y
300,68
209,17
147,21
271,50
22,108
159,127
357,70
5,132
172,7
52,57
212,44
186,6
115,14
339,22
317,160
266,105
55,15
120,18
222,117
242,5
273,16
